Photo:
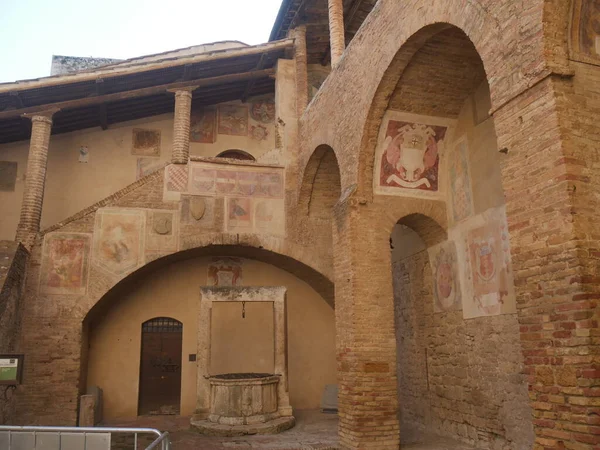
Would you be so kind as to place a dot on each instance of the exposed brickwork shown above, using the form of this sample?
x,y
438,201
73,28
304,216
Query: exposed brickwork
x,y
33,196
458,377
181,127
13,263
336,30
300,56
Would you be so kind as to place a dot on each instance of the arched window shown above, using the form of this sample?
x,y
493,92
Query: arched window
x,y
236,154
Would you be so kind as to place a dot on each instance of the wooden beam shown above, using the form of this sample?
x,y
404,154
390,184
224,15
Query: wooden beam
x,y
18,102
102,111
144,92
252,82
187,72
348,18
131,68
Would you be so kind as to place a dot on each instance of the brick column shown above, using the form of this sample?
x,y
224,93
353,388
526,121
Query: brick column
x,y
300,59
558,296
336,30
365,330
181,126
35,179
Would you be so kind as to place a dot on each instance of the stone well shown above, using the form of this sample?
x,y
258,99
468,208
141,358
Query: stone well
x,y
243,398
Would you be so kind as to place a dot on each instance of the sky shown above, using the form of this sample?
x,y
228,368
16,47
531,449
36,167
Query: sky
x,y
31,31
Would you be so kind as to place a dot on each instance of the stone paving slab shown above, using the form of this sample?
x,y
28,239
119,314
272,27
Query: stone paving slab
x,y
313,431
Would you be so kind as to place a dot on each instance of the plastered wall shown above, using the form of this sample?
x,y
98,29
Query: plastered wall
x,y
114,343
72,185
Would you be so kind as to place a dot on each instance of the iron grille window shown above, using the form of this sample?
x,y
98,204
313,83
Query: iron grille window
x,y
162,324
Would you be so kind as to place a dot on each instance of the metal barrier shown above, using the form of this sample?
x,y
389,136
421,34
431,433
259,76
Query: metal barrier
x,y
74,438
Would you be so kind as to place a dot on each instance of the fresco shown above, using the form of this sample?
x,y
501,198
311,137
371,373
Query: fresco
x,y
444,267
145,166
8,176
488,267
203,126
239,214
263,111
161,232
197,211
259,132
119,240
233,120
408,154
207,179
225,272
461,199
269,216
145,142
226,181
65,263
176,178
585,31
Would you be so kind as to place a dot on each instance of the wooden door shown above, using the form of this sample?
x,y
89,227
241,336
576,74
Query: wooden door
x,y
160,366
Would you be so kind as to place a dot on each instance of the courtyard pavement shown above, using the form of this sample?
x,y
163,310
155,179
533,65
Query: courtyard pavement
x,y
313,431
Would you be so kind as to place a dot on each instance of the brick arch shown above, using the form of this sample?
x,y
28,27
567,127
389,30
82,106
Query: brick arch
x,y
510,46
440,51
100,301
428,229
321,185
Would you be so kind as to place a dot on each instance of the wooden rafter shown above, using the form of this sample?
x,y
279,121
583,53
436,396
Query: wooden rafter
x,y
252,82
144,92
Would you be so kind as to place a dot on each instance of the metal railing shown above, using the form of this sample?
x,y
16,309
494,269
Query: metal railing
x,y
161,441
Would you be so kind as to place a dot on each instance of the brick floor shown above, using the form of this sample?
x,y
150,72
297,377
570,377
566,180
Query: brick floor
x,y
313,431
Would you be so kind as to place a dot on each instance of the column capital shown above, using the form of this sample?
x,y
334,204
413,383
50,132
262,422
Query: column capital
x,y
183,91
44,116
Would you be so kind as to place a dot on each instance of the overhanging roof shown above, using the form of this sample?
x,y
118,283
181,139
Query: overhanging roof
x,y
138,88
314,14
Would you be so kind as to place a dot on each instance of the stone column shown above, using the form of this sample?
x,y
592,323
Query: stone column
x,y
33,197
203,356
365,329
181,126
300,57
281,358
336,30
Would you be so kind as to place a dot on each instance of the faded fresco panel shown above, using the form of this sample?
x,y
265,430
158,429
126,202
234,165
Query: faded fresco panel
x,y
270,184
145,142
263,111
225,271
119,240
145,166
226,182
65,263
585,31
239,214
8,176
202,180
247,183
233,120
487,267
176,178
259,132
444,266
269,216
203,126
461,198
161,231
408,154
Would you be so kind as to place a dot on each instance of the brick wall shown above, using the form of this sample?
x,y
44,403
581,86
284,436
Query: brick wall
x,y
13,261
461,378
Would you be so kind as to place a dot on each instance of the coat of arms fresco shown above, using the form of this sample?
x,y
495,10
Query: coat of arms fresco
x,y
408,155
65,263
444,265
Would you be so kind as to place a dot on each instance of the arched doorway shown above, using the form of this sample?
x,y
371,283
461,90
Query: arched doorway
x,y
160,366
457,333
169,288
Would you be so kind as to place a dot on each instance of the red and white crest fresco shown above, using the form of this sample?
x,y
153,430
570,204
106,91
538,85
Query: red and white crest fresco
x,y
408,155
446,285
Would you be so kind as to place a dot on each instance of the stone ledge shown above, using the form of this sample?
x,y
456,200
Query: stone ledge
x,y
272,427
